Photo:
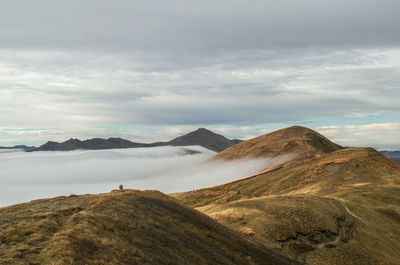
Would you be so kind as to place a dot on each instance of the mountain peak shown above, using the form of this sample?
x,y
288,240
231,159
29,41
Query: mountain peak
x,y
203,130
205,138
295,140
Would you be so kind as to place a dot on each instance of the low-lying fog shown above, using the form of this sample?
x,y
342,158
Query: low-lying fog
x,y
29,176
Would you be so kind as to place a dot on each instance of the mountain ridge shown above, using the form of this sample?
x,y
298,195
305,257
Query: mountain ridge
x,y
121,227
296,140
330,207
18,147
394,155
201,136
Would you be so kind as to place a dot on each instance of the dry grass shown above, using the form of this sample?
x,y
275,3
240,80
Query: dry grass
x,y
127,227
303,142
247,231
337,208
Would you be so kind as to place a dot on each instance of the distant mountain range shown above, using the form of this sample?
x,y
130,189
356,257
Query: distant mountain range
x,y
394,155
201,136
391,154
18,147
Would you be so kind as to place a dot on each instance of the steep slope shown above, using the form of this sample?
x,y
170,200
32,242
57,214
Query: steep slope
x,y
296,140
341,207
121,227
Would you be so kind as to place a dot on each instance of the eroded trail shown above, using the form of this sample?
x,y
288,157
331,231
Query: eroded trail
x,y
304,244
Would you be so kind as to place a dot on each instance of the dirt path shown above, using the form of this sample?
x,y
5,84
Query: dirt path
x,y
345,229
350,212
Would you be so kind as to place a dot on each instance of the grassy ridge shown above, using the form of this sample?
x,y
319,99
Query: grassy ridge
x,y
300,142
128,227
337,208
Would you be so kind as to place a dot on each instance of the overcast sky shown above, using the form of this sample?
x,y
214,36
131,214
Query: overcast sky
x,y
152,70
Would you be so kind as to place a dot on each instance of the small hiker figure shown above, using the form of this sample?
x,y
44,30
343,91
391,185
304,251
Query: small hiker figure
x,y
121,187
356,166
238,192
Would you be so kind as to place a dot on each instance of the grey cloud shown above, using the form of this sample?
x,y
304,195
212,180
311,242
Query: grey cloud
x,y
365,135
304,85
193,26
79,66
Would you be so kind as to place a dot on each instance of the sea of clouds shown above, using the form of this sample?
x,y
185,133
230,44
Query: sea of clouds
x,y
28,176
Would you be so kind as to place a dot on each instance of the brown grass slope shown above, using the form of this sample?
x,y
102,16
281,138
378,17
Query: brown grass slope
x,y
295,140
121,227
338,208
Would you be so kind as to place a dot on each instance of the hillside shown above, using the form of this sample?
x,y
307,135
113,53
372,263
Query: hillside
x,y
121,227
202,137
296,140
342,207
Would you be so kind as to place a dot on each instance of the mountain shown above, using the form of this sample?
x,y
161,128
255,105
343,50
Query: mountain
x,y
91,144
391,154
202,137
397,160
121,227
296,140
205,138
336,207
394,155
18,147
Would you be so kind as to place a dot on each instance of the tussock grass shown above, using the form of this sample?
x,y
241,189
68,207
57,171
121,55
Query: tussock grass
x,y
122,227
337,208
300,142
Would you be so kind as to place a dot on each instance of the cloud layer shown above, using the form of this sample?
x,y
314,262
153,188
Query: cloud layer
x,y
150,71
28,176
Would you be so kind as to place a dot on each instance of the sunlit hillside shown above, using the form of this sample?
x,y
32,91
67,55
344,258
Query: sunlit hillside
x,y
341,207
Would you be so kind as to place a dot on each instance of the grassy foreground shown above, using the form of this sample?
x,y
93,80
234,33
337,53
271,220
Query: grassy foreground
x,y
121,227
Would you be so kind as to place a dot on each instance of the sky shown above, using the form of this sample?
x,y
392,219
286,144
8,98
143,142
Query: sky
x,y
153,70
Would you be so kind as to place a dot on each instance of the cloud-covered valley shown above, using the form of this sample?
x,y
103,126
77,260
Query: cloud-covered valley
x,y
28,176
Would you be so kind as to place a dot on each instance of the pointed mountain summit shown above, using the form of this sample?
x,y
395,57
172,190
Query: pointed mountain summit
x,y
296,140
205,138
